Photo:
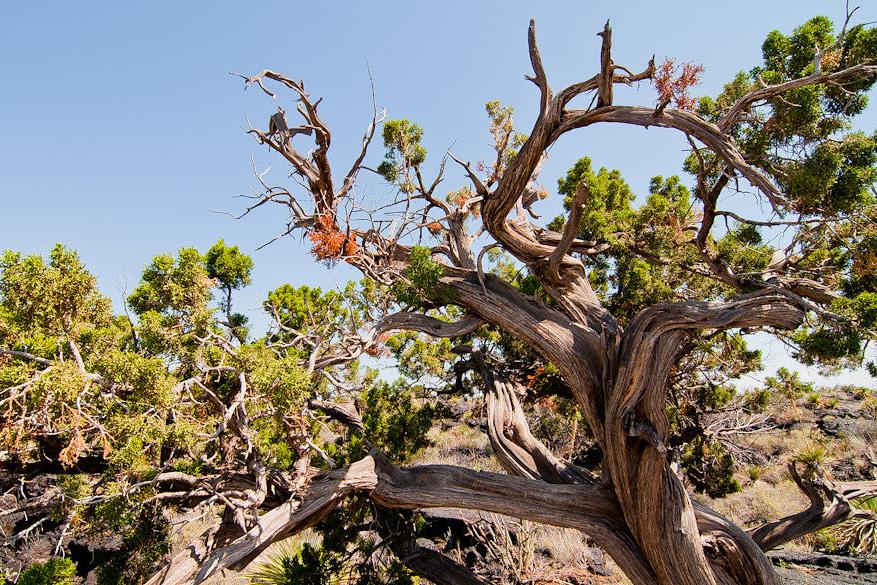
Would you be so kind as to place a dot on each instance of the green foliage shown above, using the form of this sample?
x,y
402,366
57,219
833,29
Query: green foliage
x,y
864,307
741,249
796,138
404,152
395,421
788,384
228,265
306,565
794,55
172,286
172,302
836,177
231,270
715,396
624,275
506,140
665,214
142,378
145,541
709,467
344,554
758,400
560,426
55,571
812,454
862,259
545,380
60,385
67,293
137,411
754,472
830,346
609,205
417,355
859,535
305,308
282,380
704,385
421,279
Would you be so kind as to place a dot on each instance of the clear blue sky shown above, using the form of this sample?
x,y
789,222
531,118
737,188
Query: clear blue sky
x,y
122,128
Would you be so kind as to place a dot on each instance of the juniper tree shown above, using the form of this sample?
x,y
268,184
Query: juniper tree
x,y
615,298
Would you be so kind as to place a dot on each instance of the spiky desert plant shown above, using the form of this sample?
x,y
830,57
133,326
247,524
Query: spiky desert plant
x,y
859,535
289,562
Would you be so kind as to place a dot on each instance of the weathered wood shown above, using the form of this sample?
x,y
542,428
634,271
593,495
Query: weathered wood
x,y
640,513
518,451
828,506
345,413
200,560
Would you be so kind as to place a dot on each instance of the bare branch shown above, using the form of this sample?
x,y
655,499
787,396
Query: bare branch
x,y
519,452
426,324
580,201
828,506
860,71
689,123
604,91
480,188
539,78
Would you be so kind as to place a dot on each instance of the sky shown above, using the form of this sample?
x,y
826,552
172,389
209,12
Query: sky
x,y
123,132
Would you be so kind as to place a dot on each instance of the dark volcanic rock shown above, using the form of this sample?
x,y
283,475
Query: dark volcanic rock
x,y
819,569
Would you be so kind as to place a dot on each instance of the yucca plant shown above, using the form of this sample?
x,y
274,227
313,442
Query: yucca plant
x,y
812,454
754,472
290,563
859,535
831,402
274,568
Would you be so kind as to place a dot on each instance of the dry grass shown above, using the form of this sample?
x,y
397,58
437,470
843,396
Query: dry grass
x,y
460,445
565,546
761,502
511,544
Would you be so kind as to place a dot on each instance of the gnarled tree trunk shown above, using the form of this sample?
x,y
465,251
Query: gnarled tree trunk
x,y
638,510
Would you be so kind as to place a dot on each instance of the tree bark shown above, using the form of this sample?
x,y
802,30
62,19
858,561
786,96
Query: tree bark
x,y
591,509
518,451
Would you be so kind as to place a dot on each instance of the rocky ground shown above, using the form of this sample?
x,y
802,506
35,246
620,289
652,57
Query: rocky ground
x,y
809,569
841,421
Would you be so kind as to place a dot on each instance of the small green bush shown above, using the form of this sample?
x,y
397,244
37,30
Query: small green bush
x,y
754,472
56,571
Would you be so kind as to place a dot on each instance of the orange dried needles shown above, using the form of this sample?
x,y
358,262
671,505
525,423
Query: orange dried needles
x,y
329,242
673,84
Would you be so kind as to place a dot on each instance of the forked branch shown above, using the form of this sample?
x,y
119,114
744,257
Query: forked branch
x,y
829,505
